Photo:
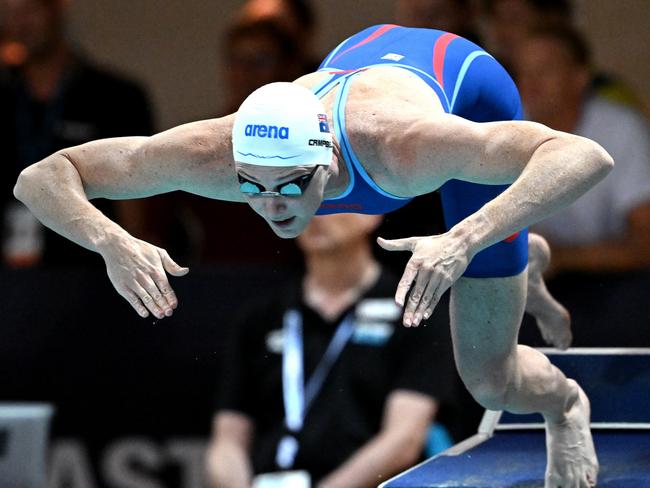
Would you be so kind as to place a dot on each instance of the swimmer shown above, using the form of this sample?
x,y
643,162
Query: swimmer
x,y
391,114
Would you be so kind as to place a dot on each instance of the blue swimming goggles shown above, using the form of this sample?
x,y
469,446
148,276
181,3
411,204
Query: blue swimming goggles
x,y
292,188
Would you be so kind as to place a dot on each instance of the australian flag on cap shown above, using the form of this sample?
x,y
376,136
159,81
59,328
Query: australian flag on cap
x,y
322,123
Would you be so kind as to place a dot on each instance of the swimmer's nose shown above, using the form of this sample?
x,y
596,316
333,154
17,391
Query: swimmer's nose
x,y
274,207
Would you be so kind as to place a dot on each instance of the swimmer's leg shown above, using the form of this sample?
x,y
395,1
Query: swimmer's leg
x,y
485,317
553,320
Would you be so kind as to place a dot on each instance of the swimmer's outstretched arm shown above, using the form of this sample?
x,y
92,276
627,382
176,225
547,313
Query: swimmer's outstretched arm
x,y
548,170
196,157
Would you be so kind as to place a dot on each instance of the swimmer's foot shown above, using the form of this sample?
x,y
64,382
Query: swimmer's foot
x,y
553,320
571,457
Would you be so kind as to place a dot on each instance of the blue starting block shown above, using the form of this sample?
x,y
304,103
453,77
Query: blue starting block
x,y
509,451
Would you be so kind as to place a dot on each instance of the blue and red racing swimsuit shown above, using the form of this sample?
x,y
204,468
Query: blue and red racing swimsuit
x,y
469,82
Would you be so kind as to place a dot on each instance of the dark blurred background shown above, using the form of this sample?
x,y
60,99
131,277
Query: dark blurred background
x,y
178,45
134,397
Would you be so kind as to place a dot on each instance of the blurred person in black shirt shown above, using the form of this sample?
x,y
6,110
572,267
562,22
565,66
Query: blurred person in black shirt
x,y
382,384
53,97
297,17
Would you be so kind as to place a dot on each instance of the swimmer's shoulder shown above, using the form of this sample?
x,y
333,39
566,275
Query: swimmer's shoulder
x,y
396,87
383,103
382,108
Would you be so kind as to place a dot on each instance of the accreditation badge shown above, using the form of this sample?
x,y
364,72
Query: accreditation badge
x,y
286,479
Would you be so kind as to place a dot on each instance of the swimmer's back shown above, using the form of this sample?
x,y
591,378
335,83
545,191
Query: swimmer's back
x,y
468,81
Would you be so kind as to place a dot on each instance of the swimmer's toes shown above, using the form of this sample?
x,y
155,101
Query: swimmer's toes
x,y
591,479
570,480
572,460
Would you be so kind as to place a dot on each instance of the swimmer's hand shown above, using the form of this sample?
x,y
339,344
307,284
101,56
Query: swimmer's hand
x,y
137,271
437,262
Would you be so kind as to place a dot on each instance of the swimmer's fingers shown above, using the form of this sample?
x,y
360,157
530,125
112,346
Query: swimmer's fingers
x,y
170,265
134,301
155,290
420,296
405,244
437,262
425,294
410,273
431,297
138,268
149,295
157,286
165,288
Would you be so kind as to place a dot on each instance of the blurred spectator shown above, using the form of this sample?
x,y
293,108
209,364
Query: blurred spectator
x,y
376,386
613,88
297,17
255,53
608,229
52,97
457,16
508,22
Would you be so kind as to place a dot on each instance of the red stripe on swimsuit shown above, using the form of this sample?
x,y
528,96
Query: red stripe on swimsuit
x,y
512,237
378,33
439,50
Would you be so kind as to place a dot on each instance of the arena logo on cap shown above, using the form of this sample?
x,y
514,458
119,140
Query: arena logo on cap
x,y
269,131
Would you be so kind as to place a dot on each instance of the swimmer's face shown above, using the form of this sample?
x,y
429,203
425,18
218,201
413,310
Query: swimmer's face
x,y
287,214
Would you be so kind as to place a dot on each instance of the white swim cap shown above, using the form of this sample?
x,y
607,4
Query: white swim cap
x,y
282,124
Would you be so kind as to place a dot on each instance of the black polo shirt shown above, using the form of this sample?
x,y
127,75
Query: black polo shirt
x,y
90,103
381,356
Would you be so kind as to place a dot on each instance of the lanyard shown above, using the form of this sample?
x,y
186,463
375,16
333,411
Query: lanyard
x,y
297,394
